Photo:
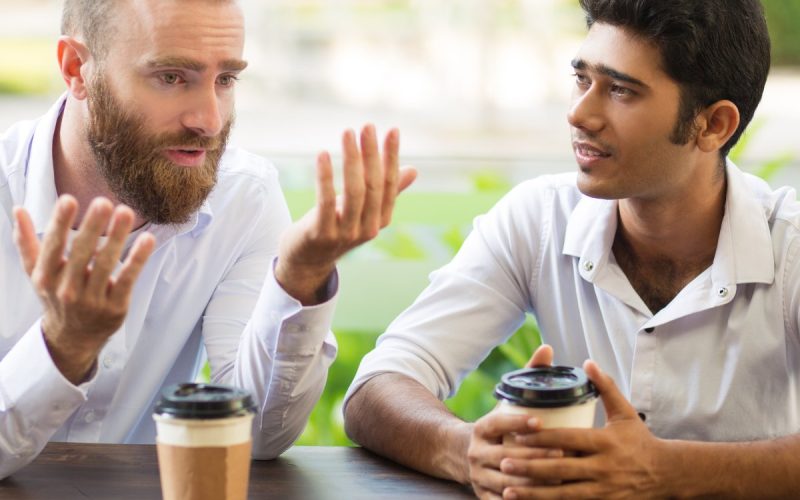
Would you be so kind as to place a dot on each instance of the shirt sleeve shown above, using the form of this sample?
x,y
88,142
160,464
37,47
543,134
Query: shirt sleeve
x,y
35,400
261,339
471,305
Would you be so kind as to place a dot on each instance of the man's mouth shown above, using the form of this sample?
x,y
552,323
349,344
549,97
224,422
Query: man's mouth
x,y
588,150
186,157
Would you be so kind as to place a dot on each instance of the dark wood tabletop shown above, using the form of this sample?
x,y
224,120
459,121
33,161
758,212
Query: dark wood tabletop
x,y
67,471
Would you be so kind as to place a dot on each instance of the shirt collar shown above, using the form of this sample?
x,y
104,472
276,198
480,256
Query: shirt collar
x,y
744,251
40,186
593,224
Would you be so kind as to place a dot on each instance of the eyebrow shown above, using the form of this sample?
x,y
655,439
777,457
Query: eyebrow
x,y
194,65
608,71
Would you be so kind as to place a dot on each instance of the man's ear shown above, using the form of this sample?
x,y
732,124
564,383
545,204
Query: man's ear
x,y
716,124
73,61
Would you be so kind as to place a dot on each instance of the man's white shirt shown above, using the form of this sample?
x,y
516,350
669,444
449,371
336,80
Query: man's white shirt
x,y
721,362
208,287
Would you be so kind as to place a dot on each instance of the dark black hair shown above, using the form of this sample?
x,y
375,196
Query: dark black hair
x,y
713,49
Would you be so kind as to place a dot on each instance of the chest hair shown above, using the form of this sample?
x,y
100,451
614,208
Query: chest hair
x,y
657,281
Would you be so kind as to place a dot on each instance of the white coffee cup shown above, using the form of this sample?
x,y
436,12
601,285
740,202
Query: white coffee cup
x,y
559,396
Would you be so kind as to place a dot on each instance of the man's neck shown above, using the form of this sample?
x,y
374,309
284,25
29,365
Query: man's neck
x,y
74,168
664,244
680,228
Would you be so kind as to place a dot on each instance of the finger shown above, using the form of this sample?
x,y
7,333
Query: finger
x,y
25,239
569,490
108,256
493,455
122,286
391,148
487,495
496,425
408,175
544,469
51,258
617,407
373,182
542,357
495,481
585,440
326,194
353,186
84,246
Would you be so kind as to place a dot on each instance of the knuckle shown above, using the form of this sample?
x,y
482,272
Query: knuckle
x,y
352,234
357,191
67,295
40,280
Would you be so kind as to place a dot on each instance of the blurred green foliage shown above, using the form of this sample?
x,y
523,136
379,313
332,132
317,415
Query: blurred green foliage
x,y
27,66
783,19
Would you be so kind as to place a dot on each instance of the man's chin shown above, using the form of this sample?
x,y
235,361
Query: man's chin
x,y
592,187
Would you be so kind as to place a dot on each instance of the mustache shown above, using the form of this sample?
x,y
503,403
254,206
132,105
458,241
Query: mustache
x,y
186,138
580,136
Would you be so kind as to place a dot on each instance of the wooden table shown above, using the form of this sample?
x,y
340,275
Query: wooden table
x,y
67,471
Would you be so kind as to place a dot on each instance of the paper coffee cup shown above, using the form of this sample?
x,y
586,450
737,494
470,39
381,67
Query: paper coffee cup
x,y
559,396
204,441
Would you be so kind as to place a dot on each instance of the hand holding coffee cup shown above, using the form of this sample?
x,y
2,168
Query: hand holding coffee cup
x,y
204,442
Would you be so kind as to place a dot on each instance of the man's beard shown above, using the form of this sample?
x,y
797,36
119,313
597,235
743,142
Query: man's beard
x,y
135,168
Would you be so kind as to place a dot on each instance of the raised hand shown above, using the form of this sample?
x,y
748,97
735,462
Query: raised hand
x,y
310,248
83,303
622,460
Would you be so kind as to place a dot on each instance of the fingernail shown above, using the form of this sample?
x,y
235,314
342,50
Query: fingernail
x,y
510,494
507,466
555,454
533,422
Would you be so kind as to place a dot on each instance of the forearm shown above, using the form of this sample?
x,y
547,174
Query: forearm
x,y
35,400
291,395
395,416
762,469
282,358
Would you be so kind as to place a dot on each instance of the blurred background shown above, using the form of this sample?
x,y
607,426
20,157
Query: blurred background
x,y
479,90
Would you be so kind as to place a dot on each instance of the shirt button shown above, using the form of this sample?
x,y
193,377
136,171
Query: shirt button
x,y
722,292
588,265
642,417
89,417
650,330
108,361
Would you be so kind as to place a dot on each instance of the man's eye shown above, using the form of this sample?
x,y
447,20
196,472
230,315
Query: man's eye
x,y
170,78
581,80
228,80
621,91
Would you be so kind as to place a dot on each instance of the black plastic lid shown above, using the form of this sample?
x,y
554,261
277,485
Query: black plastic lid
x,y
204,401
546,387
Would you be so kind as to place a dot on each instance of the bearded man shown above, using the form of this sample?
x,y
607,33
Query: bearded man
x,y
162,242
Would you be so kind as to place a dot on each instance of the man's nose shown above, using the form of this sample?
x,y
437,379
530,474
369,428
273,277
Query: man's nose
x,y
204,116
586,111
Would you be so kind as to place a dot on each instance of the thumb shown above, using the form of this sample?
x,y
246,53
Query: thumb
x,y
542,357
408,175
617,407
25,239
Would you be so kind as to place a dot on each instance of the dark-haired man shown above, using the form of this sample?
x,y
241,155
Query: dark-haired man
x,y
664,264
162,242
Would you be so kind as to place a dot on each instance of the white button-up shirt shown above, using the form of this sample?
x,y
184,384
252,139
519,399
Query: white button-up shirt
x,y
208,286
721,362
